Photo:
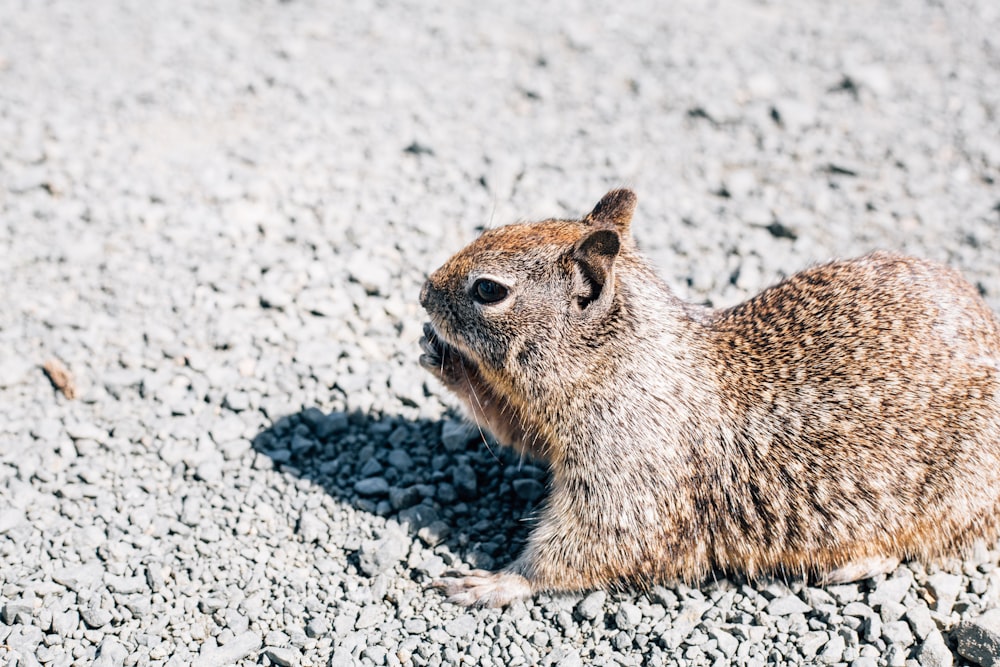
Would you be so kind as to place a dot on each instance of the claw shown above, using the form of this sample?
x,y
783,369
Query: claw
x,y
480,588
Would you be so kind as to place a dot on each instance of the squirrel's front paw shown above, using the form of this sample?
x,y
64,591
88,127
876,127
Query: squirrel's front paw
x,y
439,357
485,589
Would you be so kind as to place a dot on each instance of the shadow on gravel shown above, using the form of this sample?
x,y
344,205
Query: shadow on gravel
x,y
437,479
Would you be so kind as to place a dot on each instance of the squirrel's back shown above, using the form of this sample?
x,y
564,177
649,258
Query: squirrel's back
x,y
856,394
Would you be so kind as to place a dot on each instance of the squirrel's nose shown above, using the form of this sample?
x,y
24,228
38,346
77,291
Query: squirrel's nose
x,y
425,293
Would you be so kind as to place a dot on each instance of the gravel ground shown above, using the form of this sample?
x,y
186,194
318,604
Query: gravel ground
x,y
216,445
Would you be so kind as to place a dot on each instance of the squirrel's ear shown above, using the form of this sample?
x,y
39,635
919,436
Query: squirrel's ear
x,y
595,255
616,209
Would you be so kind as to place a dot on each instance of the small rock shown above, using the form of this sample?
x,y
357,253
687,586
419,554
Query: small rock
x,y
434,533
371,468
897,632
462,626
919,618
402,498
10,518
432,567
455,435
110,654
464,479
933,652
813,641
858,609
418,516
377,557
80,577
844,593
400,460
945,589
591,606
373,486
65,623
371,275
86,431
528,489
317,627
12,609
979,639
284,657
332,424
789,604
833,652
311,527
125,585
210,605
567,658
96,618
234,650
628,616
237,401
727,643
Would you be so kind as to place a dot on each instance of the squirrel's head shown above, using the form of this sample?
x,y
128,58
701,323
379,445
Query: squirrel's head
x,y
525,294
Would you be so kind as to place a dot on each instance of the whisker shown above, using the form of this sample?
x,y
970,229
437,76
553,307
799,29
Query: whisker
x,y
482,435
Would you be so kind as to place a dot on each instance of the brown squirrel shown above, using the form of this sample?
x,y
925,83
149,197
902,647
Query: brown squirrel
x,y
844,419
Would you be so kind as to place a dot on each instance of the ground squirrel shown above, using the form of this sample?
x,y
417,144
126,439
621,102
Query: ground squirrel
x,y
844,419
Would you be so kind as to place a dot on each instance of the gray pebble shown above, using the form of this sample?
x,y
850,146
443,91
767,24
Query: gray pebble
x,y
80,577
13,609
979,639
897,632
403,498
10,518
331,425
373,486
464,479
317,627
933,652
96,617
727,643
945,589
789,604
377,557
65,623
865,661
455,435
125,585
813,641
919,618
434,533
591,606
236,649
528,489
432,567
311,527
284,657
833,652
462,626
400,460
110,653
567,658
628,616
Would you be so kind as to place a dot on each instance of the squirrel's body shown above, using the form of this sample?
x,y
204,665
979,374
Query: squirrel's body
x,y
840,421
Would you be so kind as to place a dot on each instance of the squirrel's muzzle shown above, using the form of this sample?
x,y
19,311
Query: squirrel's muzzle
x,y
425,293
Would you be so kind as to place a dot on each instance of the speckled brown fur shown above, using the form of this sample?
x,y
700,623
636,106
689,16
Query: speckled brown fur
x,y
841,420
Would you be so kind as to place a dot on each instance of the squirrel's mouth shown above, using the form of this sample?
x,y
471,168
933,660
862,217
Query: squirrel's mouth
x,y
438,337
433,332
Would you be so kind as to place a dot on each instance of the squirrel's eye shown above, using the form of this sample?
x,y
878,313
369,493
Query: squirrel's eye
x,y
488,291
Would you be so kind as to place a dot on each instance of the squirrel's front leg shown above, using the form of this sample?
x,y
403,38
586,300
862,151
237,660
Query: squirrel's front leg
x,y
566,552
